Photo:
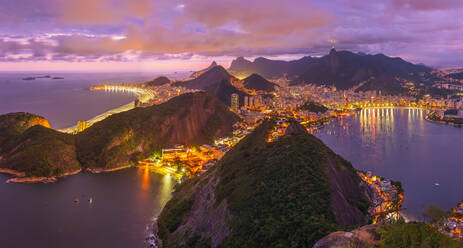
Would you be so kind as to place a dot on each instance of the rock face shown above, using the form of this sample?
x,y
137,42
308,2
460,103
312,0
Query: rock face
x,y
256,82
365,236
14,124
121,139
216,81
199,73
285,193
28,145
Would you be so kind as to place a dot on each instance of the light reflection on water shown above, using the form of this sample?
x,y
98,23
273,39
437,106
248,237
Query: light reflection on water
x,y
124,203
399,144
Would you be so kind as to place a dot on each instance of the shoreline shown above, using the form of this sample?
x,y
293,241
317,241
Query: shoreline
x,y
442,122
104,115
101,170
23,179
12,172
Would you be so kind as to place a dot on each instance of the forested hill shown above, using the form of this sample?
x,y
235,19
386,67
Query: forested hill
x,y
287,193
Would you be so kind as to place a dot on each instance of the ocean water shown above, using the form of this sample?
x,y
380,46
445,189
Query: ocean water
x,y
399,144
395,143
65,101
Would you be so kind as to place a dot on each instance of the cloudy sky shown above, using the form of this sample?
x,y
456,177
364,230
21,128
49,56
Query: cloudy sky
x,y
187,34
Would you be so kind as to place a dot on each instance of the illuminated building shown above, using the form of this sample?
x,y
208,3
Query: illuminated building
x,y
235,102
81,126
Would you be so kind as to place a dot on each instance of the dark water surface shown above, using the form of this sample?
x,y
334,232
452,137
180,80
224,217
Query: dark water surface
x,y
45,215
399,144
65,101
394,143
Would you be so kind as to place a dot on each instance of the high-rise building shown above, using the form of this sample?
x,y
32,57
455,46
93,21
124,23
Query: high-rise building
x,y
81,126
235,102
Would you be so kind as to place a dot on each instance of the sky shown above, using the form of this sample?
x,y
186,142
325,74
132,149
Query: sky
x,y
179,35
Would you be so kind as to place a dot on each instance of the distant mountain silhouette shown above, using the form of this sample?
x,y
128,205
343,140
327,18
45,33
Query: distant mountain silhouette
x,y
342,69
216,81
198,73
256,82
269,68
157,81
345,69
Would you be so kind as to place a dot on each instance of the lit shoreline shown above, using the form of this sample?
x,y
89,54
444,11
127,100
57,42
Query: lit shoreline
x,y
141,94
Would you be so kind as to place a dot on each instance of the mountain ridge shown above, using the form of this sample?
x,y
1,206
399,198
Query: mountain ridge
x,y
287,193
342,69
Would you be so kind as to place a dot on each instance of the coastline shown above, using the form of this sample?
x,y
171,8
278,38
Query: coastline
x,y
442,122
102,170
12,172
104,115
22,179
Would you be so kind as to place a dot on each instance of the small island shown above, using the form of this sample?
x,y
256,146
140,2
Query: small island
x,y
42,77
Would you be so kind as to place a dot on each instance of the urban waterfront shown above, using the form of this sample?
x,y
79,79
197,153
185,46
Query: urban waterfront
x,y
395,143
398,143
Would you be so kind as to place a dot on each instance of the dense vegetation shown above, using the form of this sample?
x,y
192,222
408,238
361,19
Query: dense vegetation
x,y
14,124
256,82
414,235
42,152
117,141
314,107
278,193
124,138
28,145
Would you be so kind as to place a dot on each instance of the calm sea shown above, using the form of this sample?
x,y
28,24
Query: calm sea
x,y
65,101
45,215
399,144
394,143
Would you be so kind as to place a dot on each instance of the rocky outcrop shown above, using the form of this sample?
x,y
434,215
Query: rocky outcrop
x,y
218,82
121,139
202,217
284,193
14,124
41,152
365,236
199,73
